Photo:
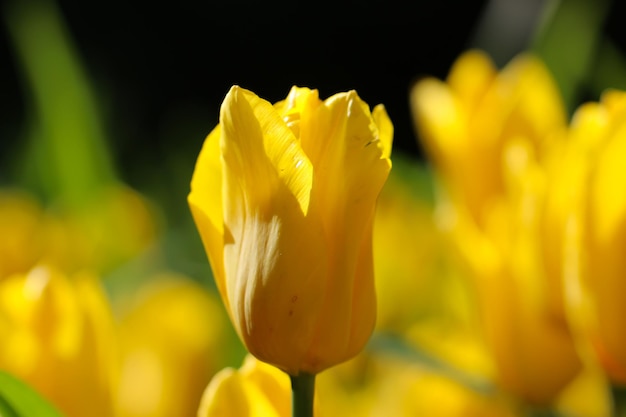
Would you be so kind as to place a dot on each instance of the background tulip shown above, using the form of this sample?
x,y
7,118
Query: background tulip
x,y
58,336
597,233
488,133
170,335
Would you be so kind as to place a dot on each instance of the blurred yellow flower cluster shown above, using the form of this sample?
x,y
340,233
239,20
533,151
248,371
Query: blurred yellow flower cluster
x,y
506,280
488,133
522,200
485,280
595,176
151,354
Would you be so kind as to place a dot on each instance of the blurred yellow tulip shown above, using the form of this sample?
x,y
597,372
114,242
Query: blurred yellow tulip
x,y
284,198
57,335
407,252
488,134
416,276
408,390
117,225
376,383
173,339
597,265
21,218
255,390
107,231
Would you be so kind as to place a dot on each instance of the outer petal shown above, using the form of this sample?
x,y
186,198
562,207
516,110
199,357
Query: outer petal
x,y
566,167
534,100
270,235
444,129
385,129
349,172
274,383
230,395
205,201
470,77
440,119
605,240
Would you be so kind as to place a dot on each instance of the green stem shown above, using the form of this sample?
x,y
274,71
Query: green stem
x,y
302,393
619,400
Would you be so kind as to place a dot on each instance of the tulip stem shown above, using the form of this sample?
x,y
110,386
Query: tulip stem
x,y
619,400
302,393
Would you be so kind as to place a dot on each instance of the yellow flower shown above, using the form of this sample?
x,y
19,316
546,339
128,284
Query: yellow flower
x,y
57,335
20,228
415,273
597,288
366,385
172,337
255,390
407,252
112,228
489,135
405,390
284,198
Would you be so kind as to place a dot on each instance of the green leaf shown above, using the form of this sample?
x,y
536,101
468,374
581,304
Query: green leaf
x,y
609,70
17,399
567,40
67,155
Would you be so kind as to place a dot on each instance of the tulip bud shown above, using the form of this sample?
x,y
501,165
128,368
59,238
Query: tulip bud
x,y
284,197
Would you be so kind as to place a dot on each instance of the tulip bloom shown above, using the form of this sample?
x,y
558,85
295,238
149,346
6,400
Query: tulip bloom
x,y
168,349
255,390
107,231
597,288
284,198
57,335
488,134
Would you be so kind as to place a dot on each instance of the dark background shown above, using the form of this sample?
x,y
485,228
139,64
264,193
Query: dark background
x,y
161,69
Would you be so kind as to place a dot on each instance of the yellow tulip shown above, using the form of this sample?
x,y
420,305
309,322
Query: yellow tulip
x,y
57,335
255,390
597,289
489,135
474,114
405,390
112,228
20,227
172,337
407,253
284,198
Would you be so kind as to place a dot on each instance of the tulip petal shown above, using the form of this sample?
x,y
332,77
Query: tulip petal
x,y
272,382
349,172
606,240
385,129
274,251
205,202
265,146
444,127
440,119
229,394
470,77
527,101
